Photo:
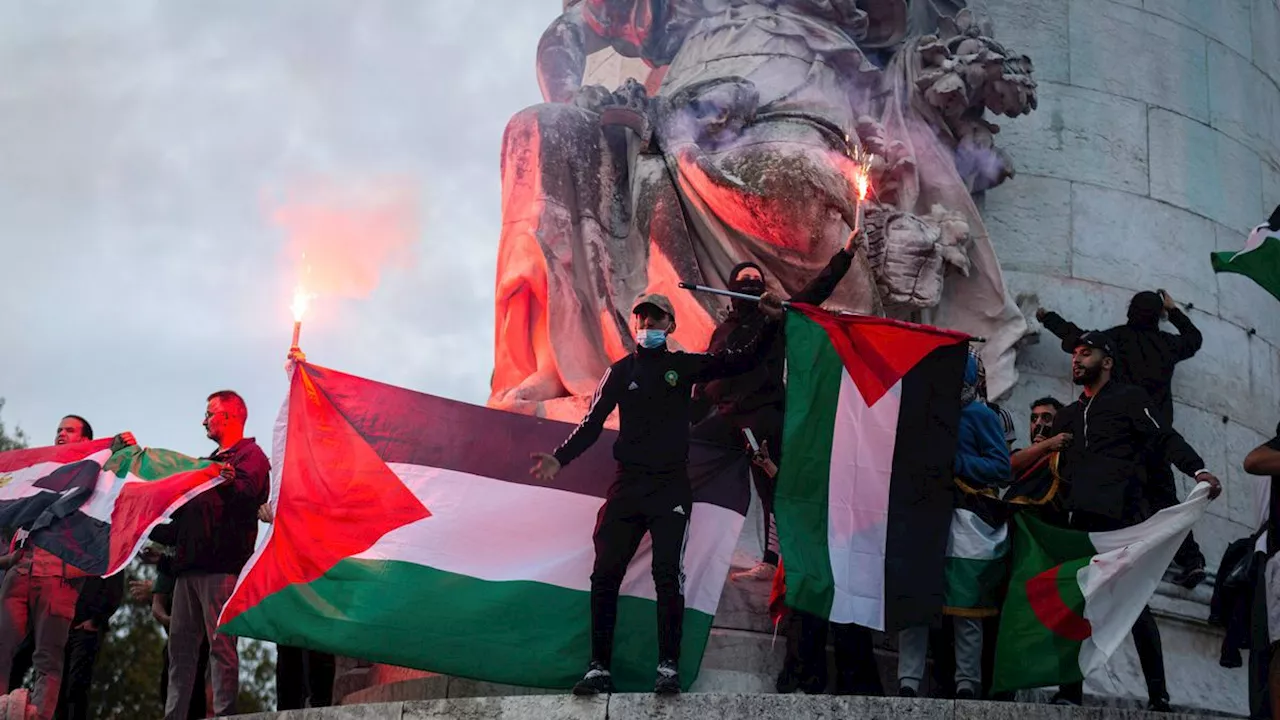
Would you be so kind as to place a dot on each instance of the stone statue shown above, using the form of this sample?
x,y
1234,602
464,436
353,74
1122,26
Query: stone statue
x,y
740,144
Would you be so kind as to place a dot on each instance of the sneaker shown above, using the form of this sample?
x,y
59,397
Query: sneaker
x,y
668,682
1159,705
762,571
597,680
1231,658
1060,700
966,693
1189,576
907,692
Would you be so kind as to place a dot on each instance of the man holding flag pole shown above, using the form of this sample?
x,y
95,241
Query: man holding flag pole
x,y
651,387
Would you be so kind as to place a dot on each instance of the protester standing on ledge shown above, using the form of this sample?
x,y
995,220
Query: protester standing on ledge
x,y
1146,356
651,388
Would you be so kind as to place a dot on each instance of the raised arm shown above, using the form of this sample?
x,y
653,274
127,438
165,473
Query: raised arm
x,y
821,287
1188,340
1064,329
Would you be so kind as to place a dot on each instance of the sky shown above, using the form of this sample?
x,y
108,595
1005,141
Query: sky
x,y
164,164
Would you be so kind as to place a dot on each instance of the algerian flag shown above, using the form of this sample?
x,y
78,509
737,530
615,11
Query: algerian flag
x,y
1075,595
1259,260
864,498
409,531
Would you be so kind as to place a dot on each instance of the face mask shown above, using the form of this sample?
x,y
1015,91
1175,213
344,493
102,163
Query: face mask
x,y
749,287
651,338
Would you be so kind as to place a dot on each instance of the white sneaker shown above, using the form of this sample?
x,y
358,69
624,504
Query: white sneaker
x,y
762,571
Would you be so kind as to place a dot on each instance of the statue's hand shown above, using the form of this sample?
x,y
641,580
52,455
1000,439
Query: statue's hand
x,y
593,97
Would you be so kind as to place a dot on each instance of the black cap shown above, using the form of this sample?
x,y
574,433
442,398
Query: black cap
x,y
1098,341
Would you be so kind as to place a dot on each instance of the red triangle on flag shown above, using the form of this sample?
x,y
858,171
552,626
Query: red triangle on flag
x,y
337,498
876,351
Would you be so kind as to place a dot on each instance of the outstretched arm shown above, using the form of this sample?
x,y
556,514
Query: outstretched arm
x,y
735,361
821,287
1264,459
1066,330
1168,442
588,431
1026,457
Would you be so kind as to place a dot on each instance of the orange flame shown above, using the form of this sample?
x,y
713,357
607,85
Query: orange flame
x,y
862,180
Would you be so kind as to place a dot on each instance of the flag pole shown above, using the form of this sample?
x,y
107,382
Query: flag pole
x,y
785,303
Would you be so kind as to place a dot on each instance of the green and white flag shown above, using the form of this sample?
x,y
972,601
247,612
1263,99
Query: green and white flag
x,y
1075,595
1258,261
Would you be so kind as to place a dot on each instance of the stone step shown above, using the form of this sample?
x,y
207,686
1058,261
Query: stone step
x,y
701,706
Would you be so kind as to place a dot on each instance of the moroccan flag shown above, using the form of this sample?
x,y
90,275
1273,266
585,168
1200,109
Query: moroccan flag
x,y
136,490
864,497
36,479
1075,595
409,531
1258,261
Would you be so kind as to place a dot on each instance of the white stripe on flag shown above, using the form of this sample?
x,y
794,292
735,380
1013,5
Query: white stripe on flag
x,y
858,502
1124,574
972,538
501,531
19,483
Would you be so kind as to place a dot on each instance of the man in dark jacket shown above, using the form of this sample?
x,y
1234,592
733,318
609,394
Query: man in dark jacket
x,y
99,599
652,390
1115,431
1146,356
755,398
213,536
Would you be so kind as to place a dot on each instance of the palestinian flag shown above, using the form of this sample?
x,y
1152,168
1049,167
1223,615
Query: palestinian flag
x,y
1259,260
33,480
1075,595
409,531
864,497
136,490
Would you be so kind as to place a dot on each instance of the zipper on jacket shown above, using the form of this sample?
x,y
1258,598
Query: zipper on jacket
x,y
1086,418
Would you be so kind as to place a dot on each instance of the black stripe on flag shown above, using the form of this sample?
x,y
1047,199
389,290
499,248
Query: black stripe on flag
x,y
921,495
403,426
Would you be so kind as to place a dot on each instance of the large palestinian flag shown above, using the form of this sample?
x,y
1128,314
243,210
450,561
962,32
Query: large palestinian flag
x,y
136,491
1075,595
409,531
864,498
91,508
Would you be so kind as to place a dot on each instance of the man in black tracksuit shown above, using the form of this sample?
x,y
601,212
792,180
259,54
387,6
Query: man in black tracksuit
x,y
755,398
651,388
1114,430
1146,356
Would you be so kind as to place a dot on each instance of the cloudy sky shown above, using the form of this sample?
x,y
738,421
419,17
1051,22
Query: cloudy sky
x,y
159,161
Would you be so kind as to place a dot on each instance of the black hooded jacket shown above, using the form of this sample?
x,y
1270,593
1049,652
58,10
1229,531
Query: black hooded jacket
x,y
762,385
1145,354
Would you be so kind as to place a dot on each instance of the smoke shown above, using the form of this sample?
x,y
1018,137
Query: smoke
x,y
340,238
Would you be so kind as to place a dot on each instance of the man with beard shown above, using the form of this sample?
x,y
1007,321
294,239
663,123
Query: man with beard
x,y
1115,432
1146,356
1037,485
755,398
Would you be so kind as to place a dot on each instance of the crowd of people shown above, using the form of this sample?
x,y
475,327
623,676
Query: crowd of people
x,y
1101,461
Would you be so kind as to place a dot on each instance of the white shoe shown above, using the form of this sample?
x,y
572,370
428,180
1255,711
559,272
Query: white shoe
x,y
762,571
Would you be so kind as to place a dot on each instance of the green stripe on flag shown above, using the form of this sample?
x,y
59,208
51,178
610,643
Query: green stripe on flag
x,y
814,372
151,463
533,634
1028,653
1260,264
974,584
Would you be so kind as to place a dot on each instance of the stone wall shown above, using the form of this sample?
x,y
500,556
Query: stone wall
x,y
1157,141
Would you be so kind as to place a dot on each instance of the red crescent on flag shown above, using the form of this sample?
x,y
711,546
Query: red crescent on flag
x,y
1052,611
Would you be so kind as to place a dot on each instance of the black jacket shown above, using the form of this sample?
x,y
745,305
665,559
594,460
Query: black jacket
x,y
651,389
215,532
99,599
761,385
1115,431
1145,355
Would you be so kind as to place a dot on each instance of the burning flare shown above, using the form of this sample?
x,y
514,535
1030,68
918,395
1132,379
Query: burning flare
x,y
301,301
